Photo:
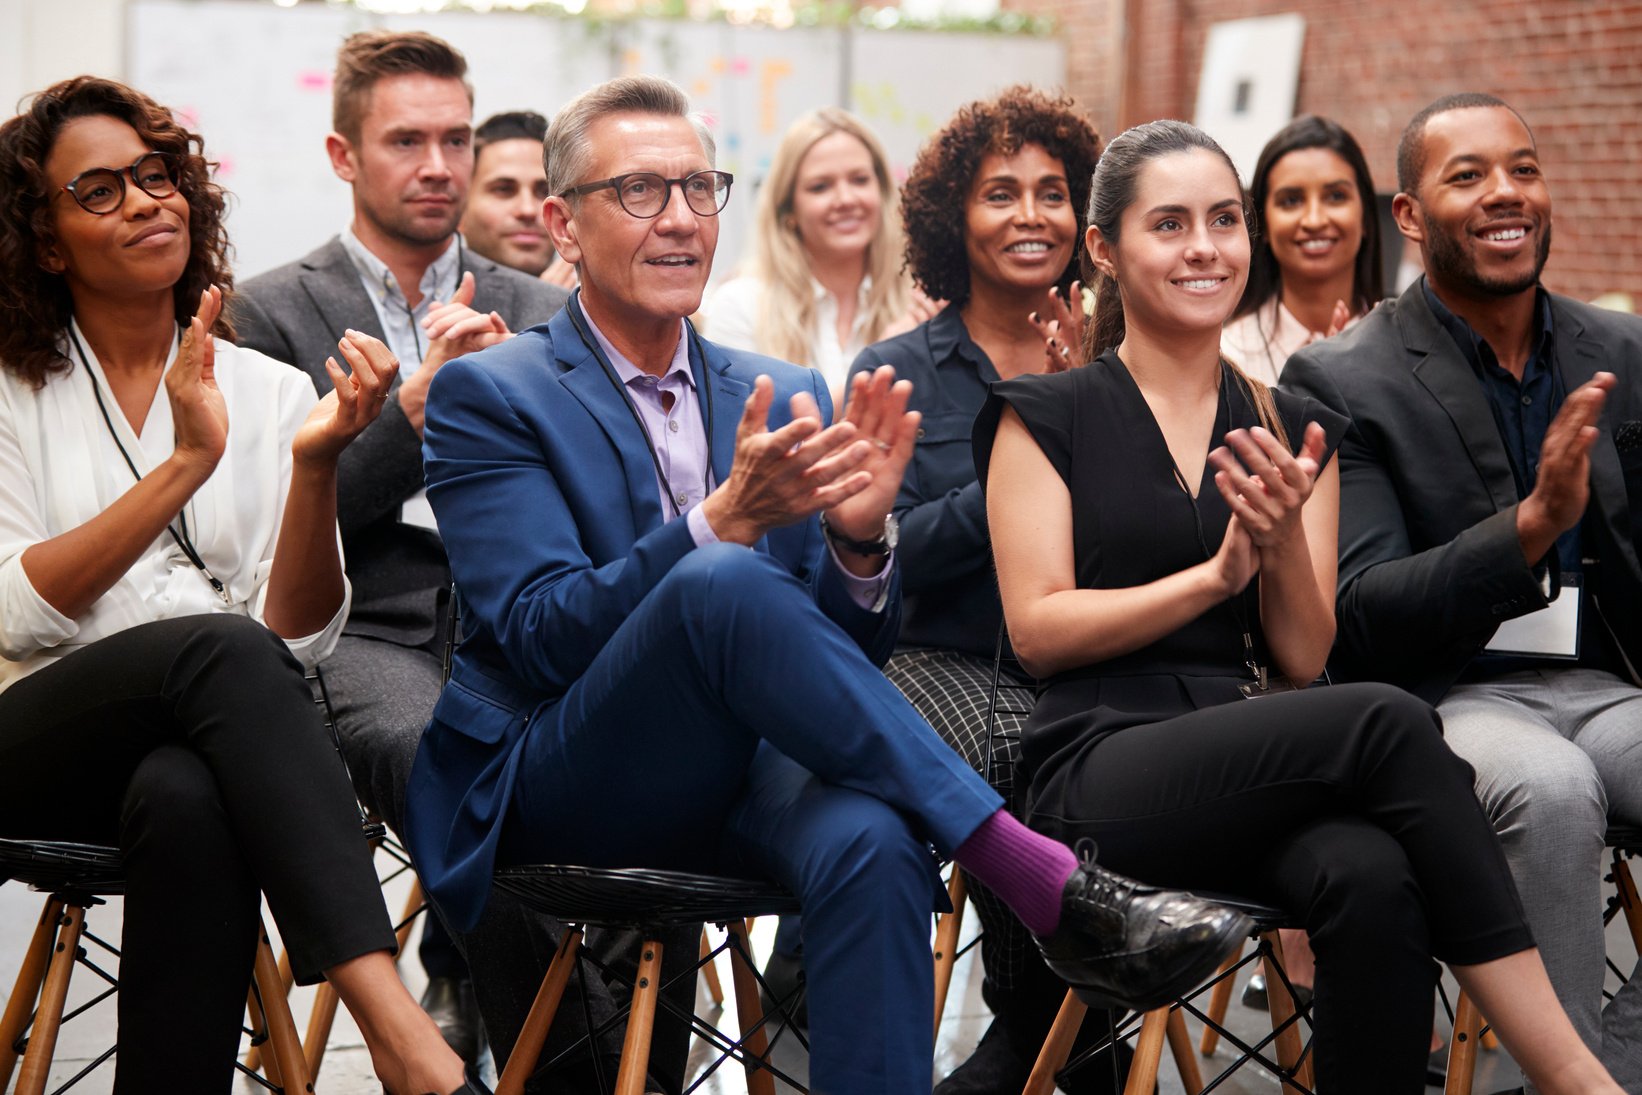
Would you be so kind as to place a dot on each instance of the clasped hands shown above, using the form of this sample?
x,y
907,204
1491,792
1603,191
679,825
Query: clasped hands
x,y
850,470
1265,487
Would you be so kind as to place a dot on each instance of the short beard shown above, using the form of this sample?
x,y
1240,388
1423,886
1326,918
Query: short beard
x,y
1448,263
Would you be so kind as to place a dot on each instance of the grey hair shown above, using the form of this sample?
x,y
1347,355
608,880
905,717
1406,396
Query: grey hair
x,y
567,154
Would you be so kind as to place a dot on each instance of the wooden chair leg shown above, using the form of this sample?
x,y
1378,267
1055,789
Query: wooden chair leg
x,y
527,1048
1148,1051
1057,1047
641,1022
1462,1049
1629,903
1281,1006
709,971
253,1056
43,1038
415,902
285,1048
946,942
320,1021
1488,1039
755,1043
1180,1047
1219,1001
26,991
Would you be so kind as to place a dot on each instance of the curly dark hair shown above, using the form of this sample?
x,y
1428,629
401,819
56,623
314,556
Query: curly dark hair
x,y
35,305
933,197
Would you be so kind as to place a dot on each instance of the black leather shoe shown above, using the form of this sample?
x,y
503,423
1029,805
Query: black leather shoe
x,y
450,1003
784,980
993,1069
1124,942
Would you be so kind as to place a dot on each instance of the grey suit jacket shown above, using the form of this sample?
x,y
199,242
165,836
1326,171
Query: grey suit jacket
x,y
1430,563
296,313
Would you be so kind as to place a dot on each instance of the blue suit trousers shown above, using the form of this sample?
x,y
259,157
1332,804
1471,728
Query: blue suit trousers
x,y
730,726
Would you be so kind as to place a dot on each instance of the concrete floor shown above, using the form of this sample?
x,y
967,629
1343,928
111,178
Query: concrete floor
x,y
346,1069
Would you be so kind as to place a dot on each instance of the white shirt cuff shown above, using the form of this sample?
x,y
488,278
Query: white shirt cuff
x,y
870,593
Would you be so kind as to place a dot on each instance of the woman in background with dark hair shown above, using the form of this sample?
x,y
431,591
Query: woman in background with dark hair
x,y
163,579
1316,263
991,210
1165,534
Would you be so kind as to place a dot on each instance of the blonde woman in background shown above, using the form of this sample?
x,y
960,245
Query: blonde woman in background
x,y
822,279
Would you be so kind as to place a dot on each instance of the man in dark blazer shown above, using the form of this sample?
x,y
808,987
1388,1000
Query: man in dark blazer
x,y
1494,462
400,271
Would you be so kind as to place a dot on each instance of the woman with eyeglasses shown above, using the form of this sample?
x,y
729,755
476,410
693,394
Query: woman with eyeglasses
x,y
168,565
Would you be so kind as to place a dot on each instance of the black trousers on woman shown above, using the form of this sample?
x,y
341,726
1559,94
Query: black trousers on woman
x,y
195,746
1340,804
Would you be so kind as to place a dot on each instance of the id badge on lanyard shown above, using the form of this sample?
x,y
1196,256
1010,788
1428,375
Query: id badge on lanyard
x,y
1551,632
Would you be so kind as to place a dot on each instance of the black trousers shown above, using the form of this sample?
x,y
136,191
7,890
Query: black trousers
x,y
1340,804
195,746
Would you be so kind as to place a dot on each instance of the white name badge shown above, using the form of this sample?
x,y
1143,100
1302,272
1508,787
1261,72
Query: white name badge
x,y
1552,632
415,510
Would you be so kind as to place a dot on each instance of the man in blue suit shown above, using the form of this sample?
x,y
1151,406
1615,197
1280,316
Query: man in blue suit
x,y
679,581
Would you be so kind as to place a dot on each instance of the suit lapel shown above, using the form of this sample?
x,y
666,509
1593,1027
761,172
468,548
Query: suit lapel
x,y
585,378
1445,374
490,293
332,284
1578,359
729,397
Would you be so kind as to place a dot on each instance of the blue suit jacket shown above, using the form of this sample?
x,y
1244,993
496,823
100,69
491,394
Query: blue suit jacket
x,y
548,504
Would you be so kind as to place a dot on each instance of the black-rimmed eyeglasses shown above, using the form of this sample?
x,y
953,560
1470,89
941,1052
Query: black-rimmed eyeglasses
x,y
644,194
102,189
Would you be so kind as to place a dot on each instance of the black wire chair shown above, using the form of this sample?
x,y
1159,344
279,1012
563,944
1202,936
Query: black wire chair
x,y
76,878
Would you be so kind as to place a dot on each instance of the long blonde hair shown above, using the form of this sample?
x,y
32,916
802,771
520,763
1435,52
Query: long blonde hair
x,y
786,327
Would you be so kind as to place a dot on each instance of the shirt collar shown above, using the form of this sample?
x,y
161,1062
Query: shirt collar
x,y
1472,344
819,293
948,336
629,372
438,280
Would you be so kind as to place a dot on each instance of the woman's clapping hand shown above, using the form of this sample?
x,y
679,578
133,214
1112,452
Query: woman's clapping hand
x,y
1264,484
354,401
198,412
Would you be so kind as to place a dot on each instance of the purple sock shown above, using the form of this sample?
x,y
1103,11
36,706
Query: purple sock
x,y
1027,870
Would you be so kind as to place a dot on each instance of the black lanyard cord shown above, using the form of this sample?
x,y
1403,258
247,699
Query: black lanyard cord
x,y
183,540
575,311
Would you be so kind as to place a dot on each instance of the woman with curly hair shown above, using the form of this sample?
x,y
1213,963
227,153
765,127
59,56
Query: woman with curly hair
x,y
824,274
992,209
163,580
1316,263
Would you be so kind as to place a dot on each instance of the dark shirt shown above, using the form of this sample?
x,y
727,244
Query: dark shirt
x,y
945,555
1523,410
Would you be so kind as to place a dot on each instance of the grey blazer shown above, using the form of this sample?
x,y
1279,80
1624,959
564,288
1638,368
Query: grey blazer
x,y
1430,564
296,313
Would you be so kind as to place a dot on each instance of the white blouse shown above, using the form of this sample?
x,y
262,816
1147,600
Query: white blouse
x,y
60,467
1261,342
733,310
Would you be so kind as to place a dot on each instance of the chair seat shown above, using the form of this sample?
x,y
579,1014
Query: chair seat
x,y
1624,837
641,897
1266,917
51,865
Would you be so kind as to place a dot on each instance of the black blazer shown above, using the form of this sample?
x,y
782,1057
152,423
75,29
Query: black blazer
x,y
296,313
1430,564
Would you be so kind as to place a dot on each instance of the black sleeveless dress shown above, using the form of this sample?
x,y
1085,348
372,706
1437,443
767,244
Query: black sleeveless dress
x,y
1132,524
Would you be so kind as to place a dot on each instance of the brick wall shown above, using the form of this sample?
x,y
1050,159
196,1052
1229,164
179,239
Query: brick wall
x,y
1573,67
